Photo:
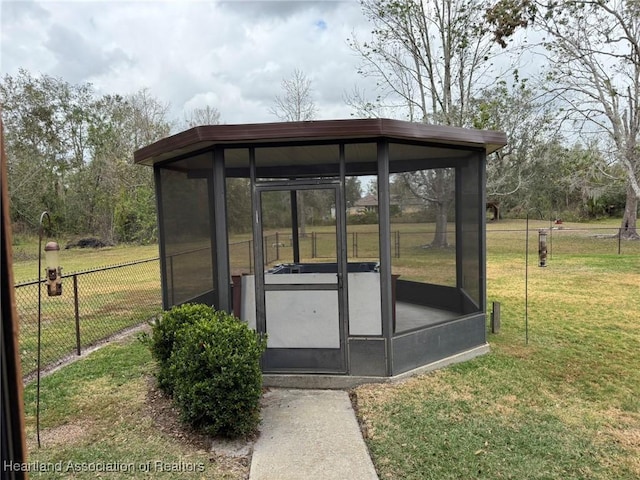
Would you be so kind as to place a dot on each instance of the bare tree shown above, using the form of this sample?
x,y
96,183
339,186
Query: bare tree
x,y
594,68
363,107
149,118
429,57
207,115
595,64
296,103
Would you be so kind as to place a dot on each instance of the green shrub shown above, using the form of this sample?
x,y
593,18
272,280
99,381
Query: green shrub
x,y
164,334
217,380
365,218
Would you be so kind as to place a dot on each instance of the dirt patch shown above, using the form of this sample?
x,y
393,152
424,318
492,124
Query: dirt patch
x,y
231,456
625,428
506,406
67,434
629,439
166,418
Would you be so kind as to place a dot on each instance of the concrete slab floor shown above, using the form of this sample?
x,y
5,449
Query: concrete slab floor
x,y
310,434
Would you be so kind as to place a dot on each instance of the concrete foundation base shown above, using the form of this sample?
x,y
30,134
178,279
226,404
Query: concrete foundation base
x,y
342,382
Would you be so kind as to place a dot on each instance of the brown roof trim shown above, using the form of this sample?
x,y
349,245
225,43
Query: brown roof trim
x,y
205,136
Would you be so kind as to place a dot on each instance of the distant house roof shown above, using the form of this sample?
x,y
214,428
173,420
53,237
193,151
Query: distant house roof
x,y
367,201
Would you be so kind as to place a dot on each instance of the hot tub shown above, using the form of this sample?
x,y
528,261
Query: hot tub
x,y
363,287
287,268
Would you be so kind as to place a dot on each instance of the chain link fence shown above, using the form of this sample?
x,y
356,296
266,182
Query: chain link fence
x,y
99,303
561,241
588,241
94,305
321,245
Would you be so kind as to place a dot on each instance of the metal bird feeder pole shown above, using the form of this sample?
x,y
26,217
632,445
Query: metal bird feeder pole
x,y
53,279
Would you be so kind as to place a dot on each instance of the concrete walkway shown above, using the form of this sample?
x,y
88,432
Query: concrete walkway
x,y
310,434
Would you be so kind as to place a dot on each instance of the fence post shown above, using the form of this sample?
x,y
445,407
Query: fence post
x,y
250,259
76,307
393,239
277,246
550,239
619,239
355,244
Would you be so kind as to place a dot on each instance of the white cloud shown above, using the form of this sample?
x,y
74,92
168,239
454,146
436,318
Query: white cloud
x,y
77,57
231,55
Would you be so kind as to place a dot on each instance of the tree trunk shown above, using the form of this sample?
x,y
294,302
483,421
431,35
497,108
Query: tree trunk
x,y
440,237
628,227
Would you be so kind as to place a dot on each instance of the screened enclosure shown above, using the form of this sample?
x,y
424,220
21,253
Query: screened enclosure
x,y
357,246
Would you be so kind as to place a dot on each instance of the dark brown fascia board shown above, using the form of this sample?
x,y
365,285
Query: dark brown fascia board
x,y
199,138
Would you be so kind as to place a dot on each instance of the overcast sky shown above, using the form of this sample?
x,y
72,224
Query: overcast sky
x,y
229,54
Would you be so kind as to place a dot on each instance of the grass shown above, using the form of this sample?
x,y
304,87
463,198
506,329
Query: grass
x,y
565,405
25,254
108,301
103,412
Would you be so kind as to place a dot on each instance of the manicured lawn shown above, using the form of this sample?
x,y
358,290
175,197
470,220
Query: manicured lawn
x,y
25,254
108,301
567,405
102,417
